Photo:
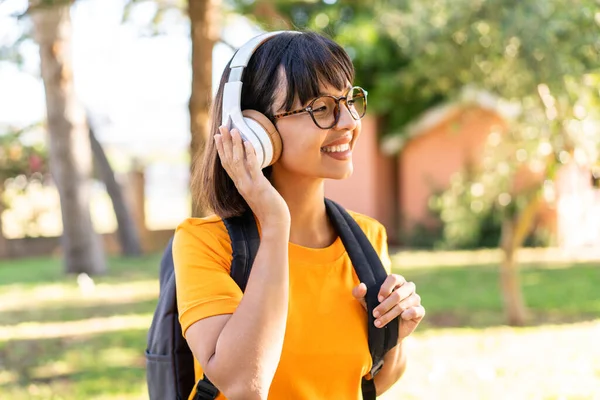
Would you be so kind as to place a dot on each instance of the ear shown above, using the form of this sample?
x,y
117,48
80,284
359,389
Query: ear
x,y
270,130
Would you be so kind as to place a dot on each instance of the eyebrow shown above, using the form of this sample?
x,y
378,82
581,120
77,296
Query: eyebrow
x,y
348,87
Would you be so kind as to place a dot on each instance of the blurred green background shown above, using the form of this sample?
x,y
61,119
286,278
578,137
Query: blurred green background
x,y
480,155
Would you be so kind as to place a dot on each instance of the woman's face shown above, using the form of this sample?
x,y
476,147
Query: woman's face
x,y
310,151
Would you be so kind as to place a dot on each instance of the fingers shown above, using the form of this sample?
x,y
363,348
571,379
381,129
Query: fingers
x,y
222,149
232,143
237,157
402,300
239,160
227,145
389,316
396,296
403,292
392,282
359,293
411,303
237,148
251,161
219,145
413,313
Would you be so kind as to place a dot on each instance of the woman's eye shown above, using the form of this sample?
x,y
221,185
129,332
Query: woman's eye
x,y
320,109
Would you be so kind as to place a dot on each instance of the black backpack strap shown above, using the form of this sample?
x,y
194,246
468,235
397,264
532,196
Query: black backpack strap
x,y
371,272
245,240
368,389
205,390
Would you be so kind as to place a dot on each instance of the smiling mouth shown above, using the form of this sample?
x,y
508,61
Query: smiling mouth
x,y
340,148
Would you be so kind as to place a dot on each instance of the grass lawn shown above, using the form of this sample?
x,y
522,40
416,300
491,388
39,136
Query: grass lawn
x,y
58,341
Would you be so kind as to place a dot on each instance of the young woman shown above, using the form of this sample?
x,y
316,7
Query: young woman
x,y
298,331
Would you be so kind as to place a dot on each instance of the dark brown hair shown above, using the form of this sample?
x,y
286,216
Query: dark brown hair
x,y
309,60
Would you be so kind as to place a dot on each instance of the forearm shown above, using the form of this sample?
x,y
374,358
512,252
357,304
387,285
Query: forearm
x,y
249,347
393,368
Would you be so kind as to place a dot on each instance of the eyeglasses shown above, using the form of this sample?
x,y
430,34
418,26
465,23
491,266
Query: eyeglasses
x,y
325,110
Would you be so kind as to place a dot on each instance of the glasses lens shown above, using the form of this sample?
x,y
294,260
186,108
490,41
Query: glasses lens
x,y
357,102
323,111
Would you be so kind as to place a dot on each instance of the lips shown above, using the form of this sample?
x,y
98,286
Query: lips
x,y
347,138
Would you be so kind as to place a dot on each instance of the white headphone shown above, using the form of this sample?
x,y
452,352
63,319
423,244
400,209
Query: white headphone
x,y
253,126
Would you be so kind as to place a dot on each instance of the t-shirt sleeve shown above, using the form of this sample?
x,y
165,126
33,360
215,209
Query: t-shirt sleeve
x,y
202,267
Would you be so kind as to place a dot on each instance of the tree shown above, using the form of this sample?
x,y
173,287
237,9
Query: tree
x,y
204,18
126,229
499,47
536,56
69,145
127,234
204,24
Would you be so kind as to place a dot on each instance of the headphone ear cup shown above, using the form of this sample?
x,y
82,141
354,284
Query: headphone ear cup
x,y
268,135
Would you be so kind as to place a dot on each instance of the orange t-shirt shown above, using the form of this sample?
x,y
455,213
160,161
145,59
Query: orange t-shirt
x,y
325,351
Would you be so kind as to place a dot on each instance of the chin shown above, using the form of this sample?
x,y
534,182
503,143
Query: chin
x,y
341,173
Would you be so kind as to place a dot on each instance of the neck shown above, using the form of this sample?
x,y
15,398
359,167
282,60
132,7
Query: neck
x,y
305,196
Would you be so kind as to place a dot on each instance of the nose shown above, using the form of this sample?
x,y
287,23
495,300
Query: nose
x,y
346,122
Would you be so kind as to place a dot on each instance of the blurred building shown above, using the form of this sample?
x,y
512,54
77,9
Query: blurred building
x,y
395,189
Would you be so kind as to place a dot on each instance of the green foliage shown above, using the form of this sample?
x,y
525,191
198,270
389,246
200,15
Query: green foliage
x,y
521,162
479,198
23,165
420,53
381,65
465,219
464,222
17,157
421,236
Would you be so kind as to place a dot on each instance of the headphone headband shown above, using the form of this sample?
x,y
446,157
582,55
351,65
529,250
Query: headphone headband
x,y
243,55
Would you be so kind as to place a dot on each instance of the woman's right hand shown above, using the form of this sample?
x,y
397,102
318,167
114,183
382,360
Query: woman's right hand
x,y
239,160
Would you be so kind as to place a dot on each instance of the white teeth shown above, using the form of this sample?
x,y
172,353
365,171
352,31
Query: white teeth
x,y
335,149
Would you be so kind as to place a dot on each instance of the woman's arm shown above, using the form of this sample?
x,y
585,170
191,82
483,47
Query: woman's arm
x,y
240,352
394,365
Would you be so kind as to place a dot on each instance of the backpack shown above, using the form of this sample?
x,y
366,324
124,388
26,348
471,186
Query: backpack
x,y
169,360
